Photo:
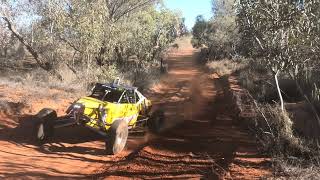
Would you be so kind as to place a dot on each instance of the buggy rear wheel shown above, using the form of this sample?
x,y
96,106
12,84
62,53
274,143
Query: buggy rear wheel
x,y
44,125
156,121
117,137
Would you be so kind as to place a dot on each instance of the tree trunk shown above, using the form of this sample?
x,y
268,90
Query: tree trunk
x,y
119,55
42,64
99,58
279,90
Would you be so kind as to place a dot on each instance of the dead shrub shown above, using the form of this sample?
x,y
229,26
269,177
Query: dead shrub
x,y
293,157
276,132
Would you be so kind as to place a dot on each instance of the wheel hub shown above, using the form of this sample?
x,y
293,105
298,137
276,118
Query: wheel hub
x,y
40,133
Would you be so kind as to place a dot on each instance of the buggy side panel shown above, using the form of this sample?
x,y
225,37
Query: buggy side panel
x,y
112,112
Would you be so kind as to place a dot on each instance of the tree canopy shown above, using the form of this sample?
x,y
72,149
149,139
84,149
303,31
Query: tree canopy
x,y
93,35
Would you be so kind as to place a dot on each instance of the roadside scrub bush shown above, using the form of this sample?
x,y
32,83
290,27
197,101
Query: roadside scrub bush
x,y
277,133
257,80
273,126
293,156
226,66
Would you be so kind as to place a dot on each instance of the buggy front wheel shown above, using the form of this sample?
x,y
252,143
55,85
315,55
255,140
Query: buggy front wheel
x,y
117,137
44,125
156,121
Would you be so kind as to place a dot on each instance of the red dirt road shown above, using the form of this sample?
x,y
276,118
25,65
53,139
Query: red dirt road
x,y
201,139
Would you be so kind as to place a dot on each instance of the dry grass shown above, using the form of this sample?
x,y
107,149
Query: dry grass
x,y
36,84
79,82
225,66
293,169
293,157
39,83
276,134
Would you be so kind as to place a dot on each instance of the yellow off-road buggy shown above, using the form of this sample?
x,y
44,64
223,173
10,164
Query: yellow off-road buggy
x,y
111,110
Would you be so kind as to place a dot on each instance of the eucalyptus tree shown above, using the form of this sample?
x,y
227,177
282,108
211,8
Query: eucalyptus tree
x,y
285,35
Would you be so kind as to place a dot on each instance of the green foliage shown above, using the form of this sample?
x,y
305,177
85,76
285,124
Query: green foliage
x,y
224,39
93,35
199,32
219,34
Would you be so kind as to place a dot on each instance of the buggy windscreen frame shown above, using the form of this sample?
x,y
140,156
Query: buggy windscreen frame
x,y
107,93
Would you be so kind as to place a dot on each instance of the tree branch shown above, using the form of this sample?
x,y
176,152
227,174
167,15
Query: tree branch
x,y
130,9
70,44
41,63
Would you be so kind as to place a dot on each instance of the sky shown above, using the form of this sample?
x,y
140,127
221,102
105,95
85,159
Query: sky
x,y
191,9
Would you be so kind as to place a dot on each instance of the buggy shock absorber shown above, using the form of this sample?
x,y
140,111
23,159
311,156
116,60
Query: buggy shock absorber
x,y
102,115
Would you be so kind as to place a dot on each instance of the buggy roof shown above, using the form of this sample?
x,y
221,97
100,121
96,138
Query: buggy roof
x,y
116,86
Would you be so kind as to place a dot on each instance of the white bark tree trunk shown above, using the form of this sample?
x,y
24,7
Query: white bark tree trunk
x,y
279,90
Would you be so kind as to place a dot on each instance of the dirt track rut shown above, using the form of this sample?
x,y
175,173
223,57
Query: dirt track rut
x,y
201,140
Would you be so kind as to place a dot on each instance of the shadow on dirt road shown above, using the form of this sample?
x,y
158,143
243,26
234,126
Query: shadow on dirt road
x,y
67,155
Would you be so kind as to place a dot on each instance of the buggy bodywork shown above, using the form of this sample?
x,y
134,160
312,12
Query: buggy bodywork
x,y
109,103
111,110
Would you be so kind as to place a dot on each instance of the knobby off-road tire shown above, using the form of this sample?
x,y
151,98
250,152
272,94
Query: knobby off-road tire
x,y
156,121
44,125
117,137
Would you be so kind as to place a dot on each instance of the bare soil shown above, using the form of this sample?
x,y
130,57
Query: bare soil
x,y
201,140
